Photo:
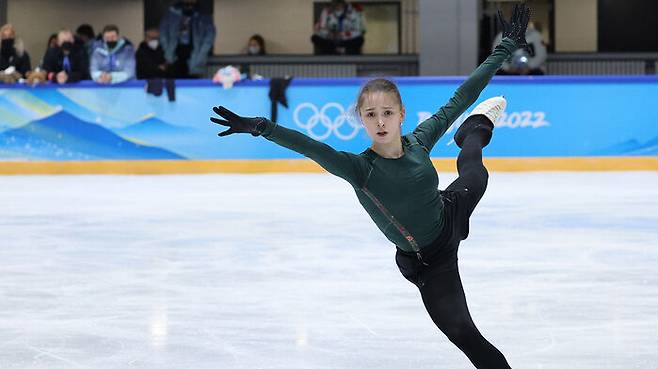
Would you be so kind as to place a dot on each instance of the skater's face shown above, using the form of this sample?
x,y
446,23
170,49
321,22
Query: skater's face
x,y
382,116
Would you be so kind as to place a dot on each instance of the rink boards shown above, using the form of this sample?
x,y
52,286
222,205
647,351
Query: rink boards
x,y
551,123
307,166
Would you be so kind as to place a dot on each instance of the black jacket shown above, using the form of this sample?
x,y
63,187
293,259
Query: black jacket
x,y
21,63
148,61
53,63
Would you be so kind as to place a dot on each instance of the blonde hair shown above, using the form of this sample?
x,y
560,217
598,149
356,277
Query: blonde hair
x,y
62,32
8,27
65,30
19,46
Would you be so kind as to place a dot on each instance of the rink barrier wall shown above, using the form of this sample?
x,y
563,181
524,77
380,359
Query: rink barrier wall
x,y
551,123
148,167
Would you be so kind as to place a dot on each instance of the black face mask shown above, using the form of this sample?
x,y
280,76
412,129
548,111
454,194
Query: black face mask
x,y
67,46
112,44
7,47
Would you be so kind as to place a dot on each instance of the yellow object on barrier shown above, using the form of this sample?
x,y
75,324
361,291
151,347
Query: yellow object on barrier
x,y
308,166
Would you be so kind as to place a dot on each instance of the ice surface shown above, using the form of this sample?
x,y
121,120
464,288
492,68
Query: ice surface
x,y
287,271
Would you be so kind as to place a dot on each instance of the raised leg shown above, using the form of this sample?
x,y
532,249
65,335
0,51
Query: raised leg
x,y
473,176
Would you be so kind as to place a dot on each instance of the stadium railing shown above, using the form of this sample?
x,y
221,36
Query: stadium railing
x,y
316,66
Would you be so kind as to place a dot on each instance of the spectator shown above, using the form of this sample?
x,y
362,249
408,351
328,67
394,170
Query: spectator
x,y
525,62
52,41
340,29
113,61
255,45
12,51
85,37
151,62
186,37
66,62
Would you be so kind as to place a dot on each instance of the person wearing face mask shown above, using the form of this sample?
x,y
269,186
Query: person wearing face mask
x,y
12,52
340,29
150,58
86,38
66,62
186,37
255,45
113,61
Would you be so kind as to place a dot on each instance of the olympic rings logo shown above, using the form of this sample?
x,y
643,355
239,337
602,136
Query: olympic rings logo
x,y
322,123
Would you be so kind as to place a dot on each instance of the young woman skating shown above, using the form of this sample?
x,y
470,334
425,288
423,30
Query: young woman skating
x,y
396,183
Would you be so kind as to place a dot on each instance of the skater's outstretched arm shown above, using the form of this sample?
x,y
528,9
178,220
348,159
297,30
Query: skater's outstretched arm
x,y
431,130
339,163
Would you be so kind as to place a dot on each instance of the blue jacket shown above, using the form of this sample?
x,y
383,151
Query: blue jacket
x,y
119,62
203,37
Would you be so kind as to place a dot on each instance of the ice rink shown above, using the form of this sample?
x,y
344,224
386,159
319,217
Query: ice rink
x,y
287,271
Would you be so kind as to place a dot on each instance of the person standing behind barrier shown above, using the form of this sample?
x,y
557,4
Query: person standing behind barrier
x,y
113,61
12,51
152,66
186,37
150,58
67,62
85,37
340,29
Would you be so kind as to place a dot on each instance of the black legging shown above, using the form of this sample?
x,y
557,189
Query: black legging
x,y
444,299
437,275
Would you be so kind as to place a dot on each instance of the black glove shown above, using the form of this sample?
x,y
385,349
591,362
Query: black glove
x,y
517,26
238,124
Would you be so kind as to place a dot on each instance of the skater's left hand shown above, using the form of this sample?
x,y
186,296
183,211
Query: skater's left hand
x,y
517,26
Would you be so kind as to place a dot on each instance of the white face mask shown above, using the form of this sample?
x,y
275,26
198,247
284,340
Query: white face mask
x,y
153,44
253,50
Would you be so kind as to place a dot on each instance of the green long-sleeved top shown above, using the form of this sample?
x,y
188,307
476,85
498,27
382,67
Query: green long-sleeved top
x,y
400,195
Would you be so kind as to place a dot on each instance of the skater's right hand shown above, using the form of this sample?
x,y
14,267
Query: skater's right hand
x,y
238,124
517,26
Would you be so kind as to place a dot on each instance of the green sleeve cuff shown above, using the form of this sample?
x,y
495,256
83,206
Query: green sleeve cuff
x,y
269,128
509,45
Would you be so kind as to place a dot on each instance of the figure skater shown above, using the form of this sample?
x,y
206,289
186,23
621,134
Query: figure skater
x,y
396,183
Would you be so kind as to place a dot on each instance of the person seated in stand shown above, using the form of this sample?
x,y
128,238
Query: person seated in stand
x,y
340,29
150,58
66,62
12,51
255,45
52,41
113,61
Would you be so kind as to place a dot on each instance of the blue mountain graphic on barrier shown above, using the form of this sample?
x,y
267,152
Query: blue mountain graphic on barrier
x,y
153,127
62,136
649,148
152,130
87,113
19,107
629,147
